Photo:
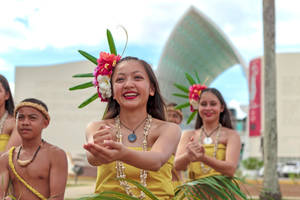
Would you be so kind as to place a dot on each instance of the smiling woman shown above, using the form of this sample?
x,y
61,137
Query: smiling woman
x,y
131,140
213,148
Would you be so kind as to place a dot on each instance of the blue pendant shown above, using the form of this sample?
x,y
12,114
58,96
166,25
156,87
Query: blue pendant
x,y
132,137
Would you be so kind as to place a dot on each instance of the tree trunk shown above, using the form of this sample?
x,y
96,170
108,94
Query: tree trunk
x,y
271,189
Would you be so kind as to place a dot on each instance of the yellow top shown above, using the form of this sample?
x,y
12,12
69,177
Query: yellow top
x,y
195,169
3,141
159,183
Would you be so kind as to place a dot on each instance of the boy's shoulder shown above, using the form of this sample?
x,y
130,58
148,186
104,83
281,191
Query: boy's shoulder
x,y
4,157
54,150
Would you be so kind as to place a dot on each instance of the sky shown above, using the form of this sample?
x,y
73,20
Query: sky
x,y
46,32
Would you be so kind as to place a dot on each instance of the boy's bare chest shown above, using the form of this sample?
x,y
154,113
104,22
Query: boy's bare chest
x,y
37,170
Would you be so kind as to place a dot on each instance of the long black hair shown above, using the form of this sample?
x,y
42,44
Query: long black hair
x,y
155,104
225,118
9,103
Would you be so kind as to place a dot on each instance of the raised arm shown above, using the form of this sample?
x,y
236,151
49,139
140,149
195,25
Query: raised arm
x,y
164,146
4,175
182,159
96,133
58,174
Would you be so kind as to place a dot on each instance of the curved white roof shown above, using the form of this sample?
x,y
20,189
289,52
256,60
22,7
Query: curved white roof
x,y
195,44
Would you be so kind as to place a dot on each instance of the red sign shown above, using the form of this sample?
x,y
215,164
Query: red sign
x,y
255,97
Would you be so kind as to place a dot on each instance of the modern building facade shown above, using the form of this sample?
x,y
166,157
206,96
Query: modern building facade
x,y
50,84
196,44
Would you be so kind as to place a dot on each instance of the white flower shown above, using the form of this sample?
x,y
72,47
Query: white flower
x,y
104,86
194,104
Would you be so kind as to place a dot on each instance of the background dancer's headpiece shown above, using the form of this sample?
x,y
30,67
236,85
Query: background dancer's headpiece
x,y
34,105
192,93
102,73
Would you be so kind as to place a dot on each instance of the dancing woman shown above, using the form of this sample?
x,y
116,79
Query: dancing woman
x,y
213,148
134,140
8,132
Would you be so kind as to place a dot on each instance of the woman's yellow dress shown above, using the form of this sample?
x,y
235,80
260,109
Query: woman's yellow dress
x,y
3,141
195,170
158,182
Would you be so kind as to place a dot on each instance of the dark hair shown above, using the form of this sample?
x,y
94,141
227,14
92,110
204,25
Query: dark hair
x,y
37,101
155,104
225,118
9,103
172,104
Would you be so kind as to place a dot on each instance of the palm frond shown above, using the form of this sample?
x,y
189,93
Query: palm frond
x,y
190,79
82,86
213,186
88,56
89,100
86,75
180,95
197,76
181,87
111,43
184,105
118,194
191,117
144,189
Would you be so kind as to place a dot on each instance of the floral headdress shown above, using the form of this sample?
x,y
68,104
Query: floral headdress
x,y
192,93
102,73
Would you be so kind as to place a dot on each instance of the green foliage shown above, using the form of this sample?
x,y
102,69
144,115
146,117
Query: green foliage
x,y
82,86
111,42
252,163
87,75
93,59
215,187
185,90
88,56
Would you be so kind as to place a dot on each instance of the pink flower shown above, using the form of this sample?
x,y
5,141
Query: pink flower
x,y
194,94
106,63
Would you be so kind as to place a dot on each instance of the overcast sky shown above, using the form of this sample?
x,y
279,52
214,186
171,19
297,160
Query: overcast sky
x,y
39,32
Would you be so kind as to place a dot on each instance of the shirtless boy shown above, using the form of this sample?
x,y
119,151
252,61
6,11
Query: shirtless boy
x,y
36,169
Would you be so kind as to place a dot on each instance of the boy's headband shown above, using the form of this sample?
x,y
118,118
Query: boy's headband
x,y
33,105
171,108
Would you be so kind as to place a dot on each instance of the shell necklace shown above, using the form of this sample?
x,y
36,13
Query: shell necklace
x,y
2,120
120,166
204,169
24,163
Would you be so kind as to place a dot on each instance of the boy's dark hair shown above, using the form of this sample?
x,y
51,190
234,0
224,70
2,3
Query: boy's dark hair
x,y
37,101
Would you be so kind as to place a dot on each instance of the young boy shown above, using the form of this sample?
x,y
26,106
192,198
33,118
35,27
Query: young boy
x,y
36,169
174,115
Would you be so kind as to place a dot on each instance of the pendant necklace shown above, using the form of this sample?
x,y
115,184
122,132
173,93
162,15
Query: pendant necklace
x,y
204,168
208,139
132,136
24,163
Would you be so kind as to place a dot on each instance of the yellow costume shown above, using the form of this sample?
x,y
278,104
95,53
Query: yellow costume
x,y
159,183
178,177
3,141
195,170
